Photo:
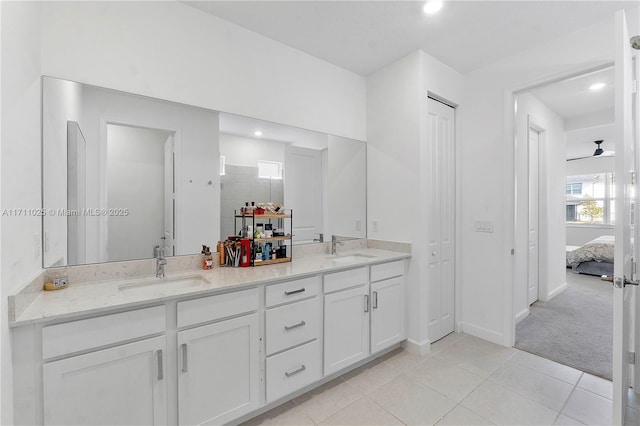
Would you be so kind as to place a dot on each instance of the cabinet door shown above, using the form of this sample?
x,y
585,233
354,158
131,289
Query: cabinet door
x,y
124,385
387,313
218,375
346,328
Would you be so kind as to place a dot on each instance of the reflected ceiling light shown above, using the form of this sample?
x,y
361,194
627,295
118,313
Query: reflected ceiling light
x,y
432,6
596,86
258,133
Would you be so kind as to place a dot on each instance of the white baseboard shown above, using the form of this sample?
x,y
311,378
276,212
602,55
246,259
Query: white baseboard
x,y
483,333
417,348
556,292
522,315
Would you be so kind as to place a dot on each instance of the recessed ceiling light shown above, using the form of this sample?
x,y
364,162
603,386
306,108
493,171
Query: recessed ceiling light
x,y
258,133
596,86
432,6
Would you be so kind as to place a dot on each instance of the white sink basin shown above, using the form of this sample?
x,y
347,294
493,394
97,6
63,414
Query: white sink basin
x,y
356,257
164,284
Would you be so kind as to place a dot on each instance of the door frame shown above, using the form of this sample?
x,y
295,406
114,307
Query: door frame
x,y
534,124
510,187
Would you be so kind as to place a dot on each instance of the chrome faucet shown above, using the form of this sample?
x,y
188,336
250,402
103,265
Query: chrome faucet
x,y
320,238
158,254
334,243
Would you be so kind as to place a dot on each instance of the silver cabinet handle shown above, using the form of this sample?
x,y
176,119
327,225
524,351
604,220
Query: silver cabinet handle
x,y
366,303
289,293
184,358
375,300
291,327
294,372
160,369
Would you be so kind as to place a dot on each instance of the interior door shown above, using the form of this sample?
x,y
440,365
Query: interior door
x,y
625,231
169,198
533,256
303,191
440,219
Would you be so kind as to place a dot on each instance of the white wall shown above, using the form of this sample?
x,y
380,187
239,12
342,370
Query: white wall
x,y
20,159
135,180
346,188
551,201
397,178
197,163
171,51
244,151
486,159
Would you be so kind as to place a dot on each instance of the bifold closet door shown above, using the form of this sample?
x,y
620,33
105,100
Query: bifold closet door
x,y
441,219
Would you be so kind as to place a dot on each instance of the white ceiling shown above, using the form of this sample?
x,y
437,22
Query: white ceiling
x,y
572,98
244,126
580,143
364,36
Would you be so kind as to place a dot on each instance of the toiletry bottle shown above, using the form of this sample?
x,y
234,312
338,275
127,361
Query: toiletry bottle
x,y
258,253
266,254
207,261
221,259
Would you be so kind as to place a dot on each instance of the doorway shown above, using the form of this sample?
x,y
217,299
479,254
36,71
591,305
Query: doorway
x,y
559,314
140,191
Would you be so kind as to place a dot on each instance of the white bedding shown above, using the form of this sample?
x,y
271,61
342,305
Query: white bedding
x,y
599,250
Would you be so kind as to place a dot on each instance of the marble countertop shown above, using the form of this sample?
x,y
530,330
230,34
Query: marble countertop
x,y
82,299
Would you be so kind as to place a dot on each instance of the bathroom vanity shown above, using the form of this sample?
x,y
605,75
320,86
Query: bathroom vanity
x,y
203,347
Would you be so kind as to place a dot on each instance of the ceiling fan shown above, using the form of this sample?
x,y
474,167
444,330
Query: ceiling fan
x,y
598,152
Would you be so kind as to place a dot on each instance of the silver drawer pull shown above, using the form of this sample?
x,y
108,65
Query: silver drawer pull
x,y
185,365
375,300
294,372
160,367
366,303
289,293
291,327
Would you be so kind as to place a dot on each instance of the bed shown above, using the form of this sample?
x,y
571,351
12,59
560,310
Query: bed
x,y
593,258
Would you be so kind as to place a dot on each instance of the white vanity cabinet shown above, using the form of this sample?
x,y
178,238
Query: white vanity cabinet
x,y
122,384
293,319
361,319
218,363
346,319
387,305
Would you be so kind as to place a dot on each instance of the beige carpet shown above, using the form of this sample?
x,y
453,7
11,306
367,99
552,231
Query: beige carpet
x,y
574,328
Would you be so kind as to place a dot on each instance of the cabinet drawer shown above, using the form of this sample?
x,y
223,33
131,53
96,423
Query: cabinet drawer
x,y
62,339
387,270
292,324
345,279
291,290
211,308
292,370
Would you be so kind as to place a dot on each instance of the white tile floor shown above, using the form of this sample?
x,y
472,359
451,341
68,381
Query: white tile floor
x,y
462,381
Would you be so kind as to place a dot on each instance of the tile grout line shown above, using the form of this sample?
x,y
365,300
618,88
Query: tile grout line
x,y
560,413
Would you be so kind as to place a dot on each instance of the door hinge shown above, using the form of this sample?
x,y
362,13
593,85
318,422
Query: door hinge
x,y
632,358
634,88
633,178
513,251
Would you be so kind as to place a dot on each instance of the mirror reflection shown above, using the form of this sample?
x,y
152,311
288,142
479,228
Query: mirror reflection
x,y
123,173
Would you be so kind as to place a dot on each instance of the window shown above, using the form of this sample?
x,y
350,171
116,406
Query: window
x,y
269,169
590,199
223,163
574,188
